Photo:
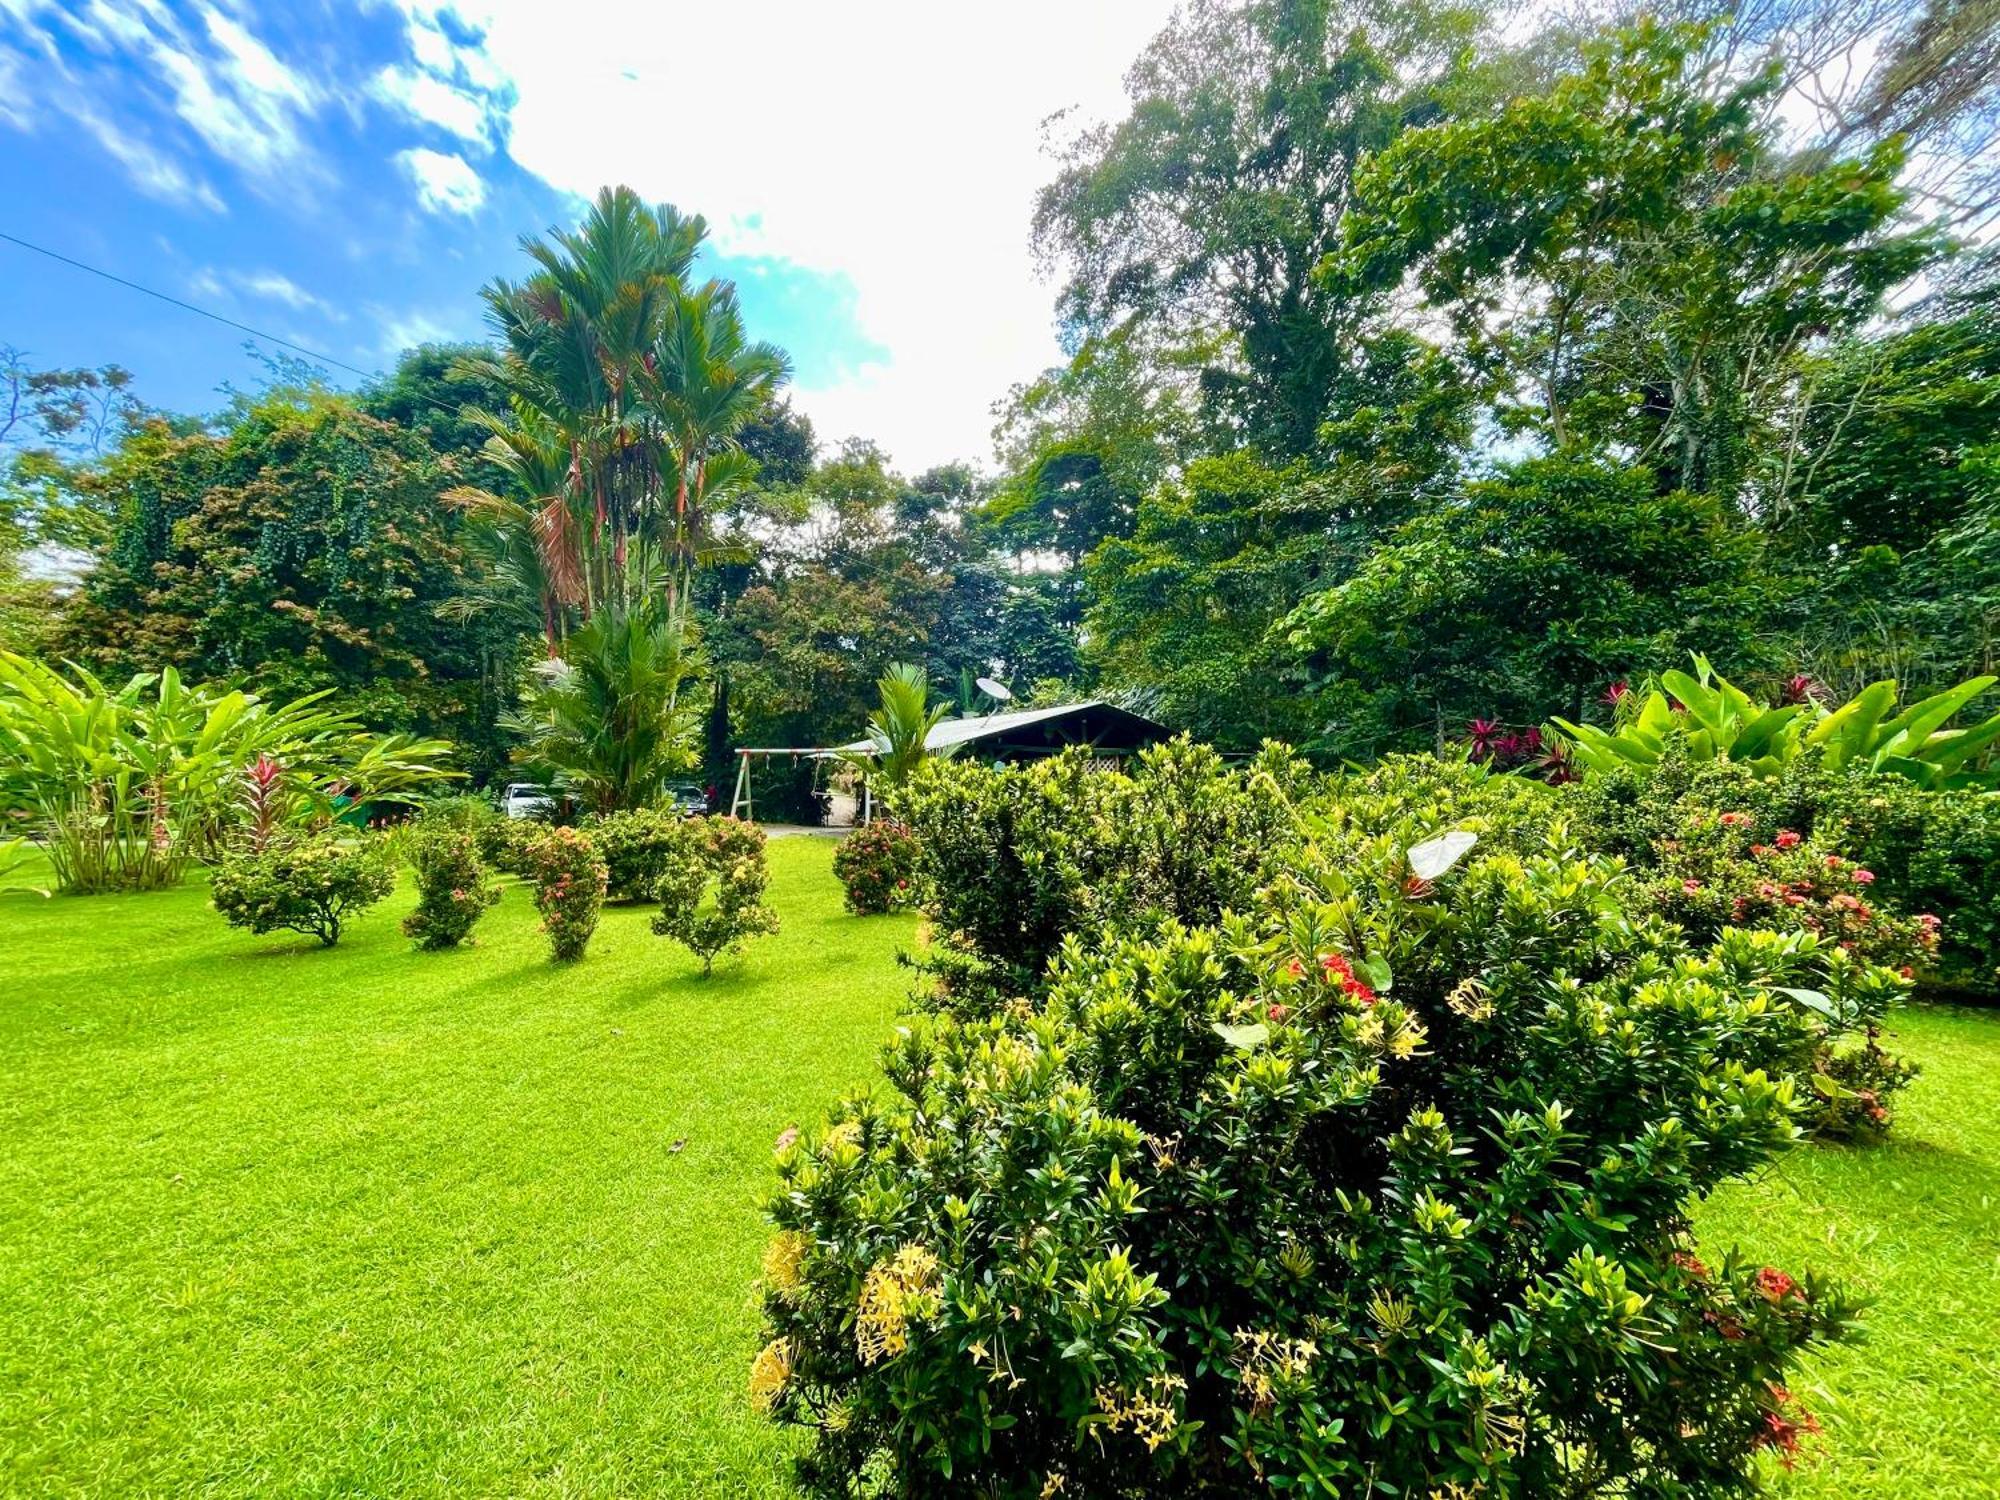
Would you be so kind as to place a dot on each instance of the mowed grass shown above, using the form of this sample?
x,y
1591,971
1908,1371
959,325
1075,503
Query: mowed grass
x,y
277,1220
1914,1222
280,1221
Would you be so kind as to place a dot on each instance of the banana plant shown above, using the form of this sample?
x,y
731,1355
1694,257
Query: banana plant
x,y
1915,743
123,786
1710,718
1713,719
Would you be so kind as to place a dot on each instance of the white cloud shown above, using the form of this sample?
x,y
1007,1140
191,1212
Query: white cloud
x,y
896,143
212,285
221,81
406,330
428,99
153,172
445,184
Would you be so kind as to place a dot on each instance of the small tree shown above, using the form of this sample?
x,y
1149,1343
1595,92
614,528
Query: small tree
x,y
899,731
569,878
712,896
877,867
453,893
312,885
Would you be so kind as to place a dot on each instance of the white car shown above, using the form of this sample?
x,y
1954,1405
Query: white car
x,y
524,799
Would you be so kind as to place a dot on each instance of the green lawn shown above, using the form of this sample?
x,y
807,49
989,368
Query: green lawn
x,y
281,1221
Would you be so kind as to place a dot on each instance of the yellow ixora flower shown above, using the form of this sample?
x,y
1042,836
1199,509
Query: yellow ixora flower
x,y
895,1291
784,1259
769,1372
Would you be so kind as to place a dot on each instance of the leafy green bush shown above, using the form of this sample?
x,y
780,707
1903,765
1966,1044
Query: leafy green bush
x,y
508,844
638,845
569,878
1013,860
1935,852
466,812
712,894
452,889
1389,1176
306,885
877,867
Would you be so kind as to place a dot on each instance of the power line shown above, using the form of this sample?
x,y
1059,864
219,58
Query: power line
x,y
187,306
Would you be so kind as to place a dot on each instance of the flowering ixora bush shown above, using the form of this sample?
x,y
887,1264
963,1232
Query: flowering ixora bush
x,y
569,878
305,885
638,845
1387,1176
712,895
453,892
877,867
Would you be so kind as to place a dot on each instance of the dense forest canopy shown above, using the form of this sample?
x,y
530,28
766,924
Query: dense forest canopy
x,y
1424,366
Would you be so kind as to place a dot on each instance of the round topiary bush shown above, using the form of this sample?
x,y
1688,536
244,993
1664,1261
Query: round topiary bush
x,y
1385,1180
877,867
305,885
637,846
453,892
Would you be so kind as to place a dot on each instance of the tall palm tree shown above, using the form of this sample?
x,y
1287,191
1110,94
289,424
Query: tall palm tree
x,y
704,379
577,332
535,544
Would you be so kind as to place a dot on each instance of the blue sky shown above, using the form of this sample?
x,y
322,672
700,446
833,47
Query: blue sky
x,y
347,176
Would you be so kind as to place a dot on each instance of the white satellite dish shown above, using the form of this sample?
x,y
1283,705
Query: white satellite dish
x,y
997,691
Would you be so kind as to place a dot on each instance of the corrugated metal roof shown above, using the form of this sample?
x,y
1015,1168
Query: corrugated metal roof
x,y
949,732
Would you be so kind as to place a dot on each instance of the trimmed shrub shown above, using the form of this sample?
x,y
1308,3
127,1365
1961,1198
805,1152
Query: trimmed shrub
x,y
452,889
1935,852
877,867
637,846
1011,861
305,885
569,878
1389,1175
508,845
712,894
1930,853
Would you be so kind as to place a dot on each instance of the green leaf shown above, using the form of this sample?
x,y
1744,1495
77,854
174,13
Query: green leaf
x,y
1375,972
1243,1038
1810,999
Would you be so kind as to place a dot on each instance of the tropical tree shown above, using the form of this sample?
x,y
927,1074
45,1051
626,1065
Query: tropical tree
x,y
626,389
899,730
610,720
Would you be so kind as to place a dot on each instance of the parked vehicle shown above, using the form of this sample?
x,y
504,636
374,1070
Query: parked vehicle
x,y
689,800
526,800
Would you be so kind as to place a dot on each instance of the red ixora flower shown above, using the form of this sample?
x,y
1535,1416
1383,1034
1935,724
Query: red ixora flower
x,y
1338,970
1787,839
1775,1285
1690,886
1737,820
1862,877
